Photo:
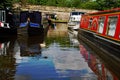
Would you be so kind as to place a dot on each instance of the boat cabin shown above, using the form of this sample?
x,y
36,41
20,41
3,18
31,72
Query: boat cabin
x,y
2,16
103,23
7,23
74,20
30,23
6,19
33,17
75,16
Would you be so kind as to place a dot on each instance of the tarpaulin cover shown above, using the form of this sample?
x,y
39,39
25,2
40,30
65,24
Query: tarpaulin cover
x,y
38,17
35,17
34,25
23,16
23,24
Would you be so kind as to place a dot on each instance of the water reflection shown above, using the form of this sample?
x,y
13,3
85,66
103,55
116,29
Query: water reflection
x,y
73,38
102,68
97,65
63,61
29,46
67,62
29,57
61,30
7,60
61,58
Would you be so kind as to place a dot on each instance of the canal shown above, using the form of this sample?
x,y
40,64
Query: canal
x,y
56,56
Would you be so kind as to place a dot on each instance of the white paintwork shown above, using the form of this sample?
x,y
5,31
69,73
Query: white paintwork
x,y
74,19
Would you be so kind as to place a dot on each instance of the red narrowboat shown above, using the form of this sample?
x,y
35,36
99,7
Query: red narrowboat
x,y
102,28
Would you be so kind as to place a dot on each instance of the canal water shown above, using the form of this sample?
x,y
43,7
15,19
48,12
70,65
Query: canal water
x,y
55,56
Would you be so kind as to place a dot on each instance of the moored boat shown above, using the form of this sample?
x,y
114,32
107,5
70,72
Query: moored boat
x,y
30,23
74,20
7,25
102,29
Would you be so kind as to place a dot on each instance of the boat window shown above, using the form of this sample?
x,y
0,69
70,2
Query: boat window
x,y
112,25
84,19
3,16
90,22
0,16
81,13
76,13
101,21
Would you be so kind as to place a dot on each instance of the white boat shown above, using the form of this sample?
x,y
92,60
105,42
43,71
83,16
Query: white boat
x,y
74,19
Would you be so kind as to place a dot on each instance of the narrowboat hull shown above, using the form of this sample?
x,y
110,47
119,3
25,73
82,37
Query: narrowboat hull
x,y
74,27
8,31
104,44
35,31
31,31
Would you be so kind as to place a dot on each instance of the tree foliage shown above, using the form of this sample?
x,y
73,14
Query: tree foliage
x,y
85,4
5,3
107,4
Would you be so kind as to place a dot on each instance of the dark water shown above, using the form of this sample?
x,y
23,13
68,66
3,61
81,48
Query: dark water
x,y
57,56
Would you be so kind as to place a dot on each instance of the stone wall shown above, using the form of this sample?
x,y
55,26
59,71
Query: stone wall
x,y
62,12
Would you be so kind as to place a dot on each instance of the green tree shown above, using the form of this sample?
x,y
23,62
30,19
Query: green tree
x,y
85,4
43,2
23,2
77,3
107,4
89,5
32,1
51,2
60,3
5,3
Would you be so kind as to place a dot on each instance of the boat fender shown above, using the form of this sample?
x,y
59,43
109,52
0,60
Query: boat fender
x,y
1,24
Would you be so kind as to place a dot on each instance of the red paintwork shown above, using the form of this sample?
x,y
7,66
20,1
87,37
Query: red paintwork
x,y
0,24
85,22
0,45
101,71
